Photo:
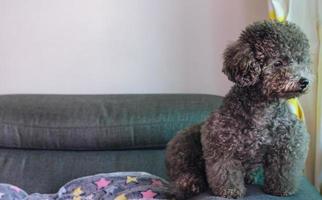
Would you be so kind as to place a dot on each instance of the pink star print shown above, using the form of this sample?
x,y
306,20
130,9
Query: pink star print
x,y
102,183
15,188
149,194
156,182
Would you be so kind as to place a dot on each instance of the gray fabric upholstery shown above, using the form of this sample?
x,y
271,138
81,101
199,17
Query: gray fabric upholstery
x,y
47,140
98,122
254,192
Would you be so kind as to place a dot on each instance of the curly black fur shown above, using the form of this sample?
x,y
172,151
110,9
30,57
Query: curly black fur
x,y
254,127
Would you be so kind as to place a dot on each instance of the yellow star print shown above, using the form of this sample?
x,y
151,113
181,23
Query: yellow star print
x,y
131,179
78,191
121,197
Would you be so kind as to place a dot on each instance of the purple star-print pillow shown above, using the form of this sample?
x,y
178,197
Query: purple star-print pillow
x,y
118,186
110,186
11,192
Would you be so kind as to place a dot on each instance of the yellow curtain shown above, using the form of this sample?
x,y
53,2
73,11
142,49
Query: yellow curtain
x,y
306,14
318,166
277,9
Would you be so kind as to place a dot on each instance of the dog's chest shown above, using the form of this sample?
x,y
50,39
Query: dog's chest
x,y
253,143
254,138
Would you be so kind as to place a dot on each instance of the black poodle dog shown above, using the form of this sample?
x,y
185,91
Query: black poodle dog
x,y
269,64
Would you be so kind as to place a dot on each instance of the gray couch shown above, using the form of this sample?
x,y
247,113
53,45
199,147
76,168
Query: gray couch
x,y
48,140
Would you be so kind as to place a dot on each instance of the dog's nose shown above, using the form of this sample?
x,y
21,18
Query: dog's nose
x,y
303,83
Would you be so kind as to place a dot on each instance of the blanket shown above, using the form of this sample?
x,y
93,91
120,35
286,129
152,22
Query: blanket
x,y
109,186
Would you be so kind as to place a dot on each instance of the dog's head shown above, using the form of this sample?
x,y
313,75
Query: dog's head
x,y
271,56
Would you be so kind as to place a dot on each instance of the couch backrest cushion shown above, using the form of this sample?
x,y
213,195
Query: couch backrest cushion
x,y
98,122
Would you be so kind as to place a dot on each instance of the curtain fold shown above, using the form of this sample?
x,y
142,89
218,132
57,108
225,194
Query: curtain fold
x,y
308,15
318,166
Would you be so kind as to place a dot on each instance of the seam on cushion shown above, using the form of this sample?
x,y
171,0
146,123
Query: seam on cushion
x,y
138,146
89,127
158,146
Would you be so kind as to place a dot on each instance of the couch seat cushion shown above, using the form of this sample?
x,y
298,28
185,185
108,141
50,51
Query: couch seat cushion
x,y
306,192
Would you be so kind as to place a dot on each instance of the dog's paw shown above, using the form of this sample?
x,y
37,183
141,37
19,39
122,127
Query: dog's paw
x,y
189,185
279,191
232,193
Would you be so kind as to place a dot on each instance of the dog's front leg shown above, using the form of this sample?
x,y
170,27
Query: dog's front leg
x,y
224,171
226,177
285,159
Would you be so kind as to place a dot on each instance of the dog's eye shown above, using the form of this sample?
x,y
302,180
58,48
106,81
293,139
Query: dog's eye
x,y
278,64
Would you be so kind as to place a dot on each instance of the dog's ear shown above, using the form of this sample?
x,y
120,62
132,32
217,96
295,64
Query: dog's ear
x,y
240,64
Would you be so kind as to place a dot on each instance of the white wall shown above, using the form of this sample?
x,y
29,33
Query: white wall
x,y
119,46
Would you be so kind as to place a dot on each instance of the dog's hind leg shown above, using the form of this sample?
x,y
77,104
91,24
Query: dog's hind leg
x,y
185,166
